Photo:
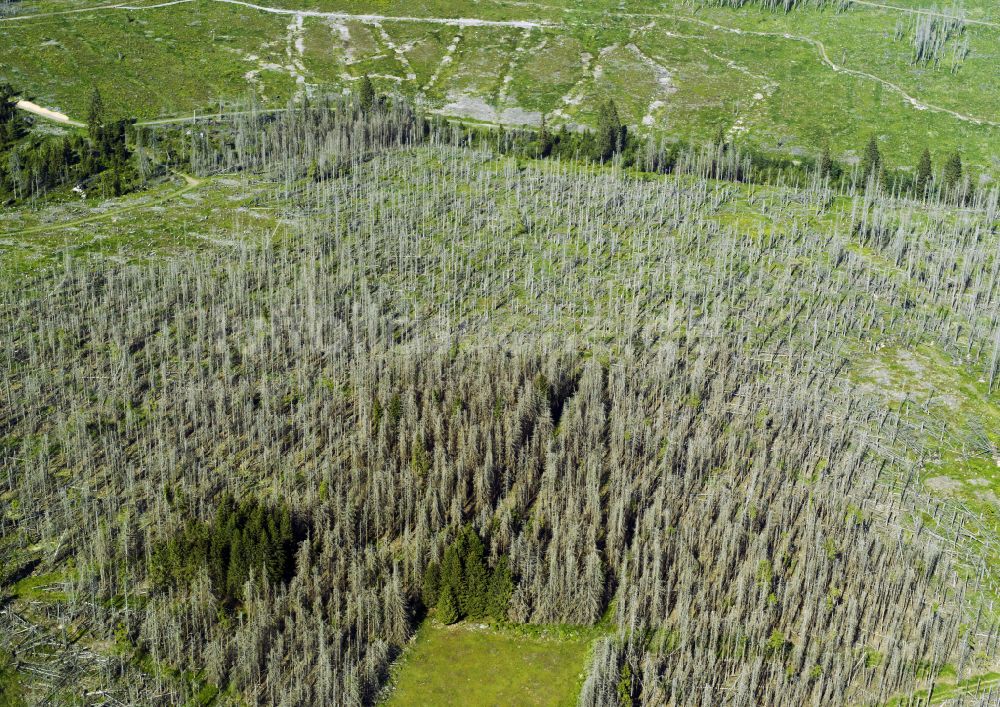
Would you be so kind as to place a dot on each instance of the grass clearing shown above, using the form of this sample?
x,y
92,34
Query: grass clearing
x,y
946,689
171,216
472,664
766,78
10,688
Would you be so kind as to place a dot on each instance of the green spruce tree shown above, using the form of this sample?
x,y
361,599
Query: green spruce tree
x,y
95,115
501,589
924,173
544,139
432,585
825,161
239,567
451,574
366,93
871,163
720,137
476,581
447,607
7,104
611,133
953,171
625,686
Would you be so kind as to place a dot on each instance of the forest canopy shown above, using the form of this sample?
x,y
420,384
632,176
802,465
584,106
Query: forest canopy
x,y
456,382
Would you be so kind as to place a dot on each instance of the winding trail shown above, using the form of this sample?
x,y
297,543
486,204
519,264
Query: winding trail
x,y
370,19
91,8
189,184
38,15
462,22
342,16
820,48
195,117
915,102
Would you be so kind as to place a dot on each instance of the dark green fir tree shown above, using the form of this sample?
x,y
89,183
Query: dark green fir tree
x,y
924,173
447,607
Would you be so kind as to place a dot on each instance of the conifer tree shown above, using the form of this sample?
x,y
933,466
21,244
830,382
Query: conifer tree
x,y
286,541
611,133
871,163
501,589
366,93
476,583
924,173
953,171
9,121
447,608
431,585
8,111
825,161
95,115
451,573
720,137
544,139
625,686
464,560
238,566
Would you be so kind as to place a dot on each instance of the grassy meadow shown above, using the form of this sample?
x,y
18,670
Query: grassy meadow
x,y
780,82
473,664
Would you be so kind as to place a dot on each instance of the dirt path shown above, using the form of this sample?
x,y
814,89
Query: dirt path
x,y
172,120
189,180
92,8
462,22
820,48
33,16
921,11
189,184
915,102
375,19
48,114
337,16
195,117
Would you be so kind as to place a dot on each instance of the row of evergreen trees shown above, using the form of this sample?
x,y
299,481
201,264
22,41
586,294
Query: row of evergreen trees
x,y
613,141
33,165
921,184
610,140
246,539
464,586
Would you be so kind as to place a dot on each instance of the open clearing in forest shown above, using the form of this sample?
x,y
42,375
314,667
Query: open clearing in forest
x,y
779,82
173,216
473,664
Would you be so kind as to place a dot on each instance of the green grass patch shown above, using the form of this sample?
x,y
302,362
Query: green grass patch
x,y
947,689
171,216
10,684
765,77
471,664
40,588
